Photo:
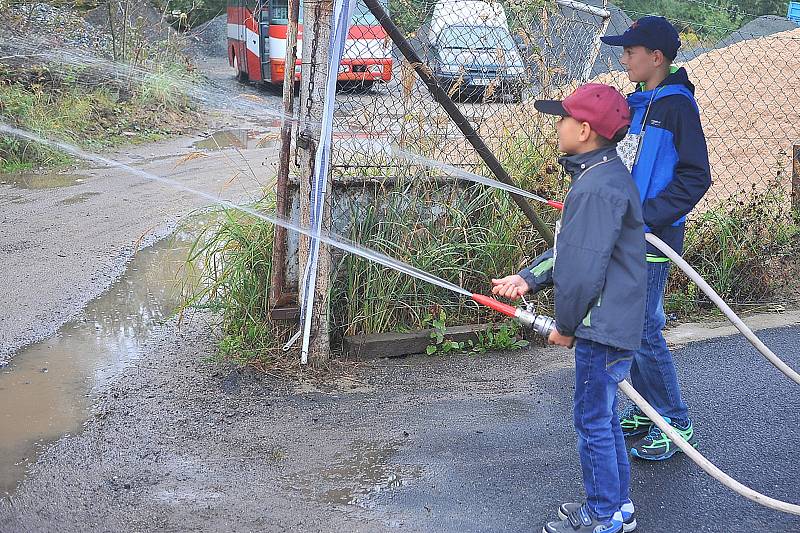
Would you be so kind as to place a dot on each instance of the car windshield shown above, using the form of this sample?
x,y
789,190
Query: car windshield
x,y
476,38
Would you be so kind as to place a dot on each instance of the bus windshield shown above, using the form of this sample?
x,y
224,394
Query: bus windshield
x,y
362,16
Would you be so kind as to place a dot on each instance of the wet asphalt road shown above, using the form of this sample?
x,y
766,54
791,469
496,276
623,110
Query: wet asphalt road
x,y
509,472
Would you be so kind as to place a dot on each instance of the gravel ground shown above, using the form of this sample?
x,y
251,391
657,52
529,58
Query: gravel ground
x,y
61,246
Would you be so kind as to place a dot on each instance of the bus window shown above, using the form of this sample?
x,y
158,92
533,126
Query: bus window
x,y
280,12
362,16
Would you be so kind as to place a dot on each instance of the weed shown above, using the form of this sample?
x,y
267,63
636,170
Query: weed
x,y
730,246
492,340
230,263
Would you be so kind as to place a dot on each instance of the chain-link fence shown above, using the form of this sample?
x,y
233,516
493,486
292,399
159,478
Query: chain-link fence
x,y
494,59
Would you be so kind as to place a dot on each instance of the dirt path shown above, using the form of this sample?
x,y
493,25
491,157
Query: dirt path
x,y
65,237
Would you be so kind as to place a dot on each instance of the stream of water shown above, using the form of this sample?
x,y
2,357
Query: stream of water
x,y
326,237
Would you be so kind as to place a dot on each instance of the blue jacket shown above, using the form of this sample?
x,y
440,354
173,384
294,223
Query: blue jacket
x,y
672,170
597,265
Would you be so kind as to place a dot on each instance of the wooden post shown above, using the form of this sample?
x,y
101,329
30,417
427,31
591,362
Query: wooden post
x,y
278,277
796,177
317,22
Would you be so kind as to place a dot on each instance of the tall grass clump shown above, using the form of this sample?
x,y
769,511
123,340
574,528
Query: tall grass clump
x,y
466,235
732,245
230,263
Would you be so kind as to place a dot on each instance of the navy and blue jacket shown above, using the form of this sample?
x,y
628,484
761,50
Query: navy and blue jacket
x,y
672,170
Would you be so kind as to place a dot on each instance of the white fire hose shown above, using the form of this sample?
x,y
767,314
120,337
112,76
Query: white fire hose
x,y
543,325
719,302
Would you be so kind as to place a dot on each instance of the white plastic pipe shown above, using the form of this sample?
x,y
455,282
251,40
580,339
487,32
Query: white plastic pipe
x,y
719,302
700,459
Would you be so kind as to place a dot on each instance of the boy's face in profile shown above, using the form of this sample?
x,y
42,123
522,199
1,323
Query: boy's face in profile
x,y
640,63
572,135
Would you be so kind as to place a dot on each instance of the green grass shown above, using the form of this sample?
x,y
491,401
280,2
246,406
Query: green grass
x,y
66,108
732,246
229,268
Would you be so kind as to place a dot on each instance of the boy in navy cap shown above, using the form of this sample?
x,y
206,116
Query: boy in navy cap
x,y
598,270
666,152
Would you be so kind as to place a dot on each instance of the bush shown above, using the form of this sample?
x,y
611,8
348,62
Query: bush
x,y
730,246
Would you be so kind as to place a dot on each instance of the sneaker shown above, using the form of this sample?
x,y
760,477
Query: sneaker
x,y
627,511
582,521
634,421
656,446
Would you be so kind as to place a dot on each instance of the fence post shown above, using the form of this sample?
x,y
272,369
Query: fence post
x,y
278,277
317,21
796,177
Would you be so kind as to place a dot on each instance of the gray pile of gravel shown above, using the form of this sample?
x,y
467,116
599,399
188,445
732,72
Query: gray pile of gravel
x,y
760,27
211,38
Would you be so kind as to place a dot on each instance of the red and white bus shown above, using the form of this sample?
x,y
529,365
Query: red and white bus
x,y
257,43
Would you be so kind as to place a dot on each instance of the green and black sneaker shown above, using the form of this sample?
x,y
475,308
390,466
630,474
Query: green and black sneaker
x,y
634,421
656,446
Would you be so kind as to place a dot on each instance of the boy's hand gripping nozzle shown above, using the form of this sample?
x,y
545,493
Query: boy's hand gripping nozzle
x,y
543,325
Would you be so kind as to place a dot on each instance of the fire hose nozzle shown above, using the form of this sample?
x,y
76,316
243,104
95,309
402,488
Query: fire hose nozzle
x,y
541,324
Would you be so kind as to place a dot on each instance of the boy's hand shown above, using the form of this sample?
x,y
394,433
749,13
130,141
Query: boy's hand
x,y
560,340
510,286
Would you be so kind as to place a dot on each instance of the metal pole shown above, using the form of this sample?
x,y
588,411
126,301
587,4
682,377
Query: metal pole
x,y
595,51
796,177
439,94
278,277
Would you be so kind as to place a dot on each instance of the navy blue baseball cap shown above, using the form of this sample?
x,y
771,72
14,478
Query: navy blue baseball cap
x,y
655,33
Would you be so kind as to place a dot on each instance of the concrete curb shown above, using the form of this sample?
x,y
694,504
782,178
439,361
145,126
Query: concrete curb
x,y
683,334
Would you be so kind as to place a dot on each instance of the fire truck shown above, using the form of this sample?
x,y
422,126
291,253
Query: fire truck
x,y
257,43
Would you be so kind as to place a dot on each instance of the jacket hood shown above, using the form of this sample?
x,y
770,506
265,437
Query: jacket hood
x,y
677,76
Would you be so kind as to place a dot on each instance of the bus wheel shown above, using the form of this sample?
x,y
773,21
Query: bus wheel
x,y
240,76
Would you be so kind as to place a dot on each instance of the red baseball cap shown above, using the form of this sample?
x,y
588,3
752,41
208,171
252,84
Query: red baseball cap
x,y
602,106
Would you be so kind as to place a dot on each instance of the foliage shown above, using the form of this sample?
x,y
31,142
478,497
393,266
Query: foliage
x,y
230,264
190,13
62,106
730,245
705,22
492,340
698,22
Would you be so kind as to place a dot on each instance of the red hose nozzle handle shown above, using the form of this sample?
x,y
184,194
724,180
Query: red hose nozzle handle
x,y
500,307
557,205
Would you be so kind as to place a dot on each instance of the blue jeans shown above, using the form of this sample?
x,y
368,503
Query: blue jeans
x,y
604,456
653,372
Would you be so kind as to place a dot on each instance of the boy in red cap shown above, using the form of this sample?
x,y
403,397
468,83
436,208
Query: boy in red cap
x,y
599,273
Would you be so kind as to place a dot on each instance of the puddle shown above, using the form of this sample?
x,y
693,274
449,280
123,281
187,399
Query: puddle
x,y
237,138
356,479
45,390
42,181
78,198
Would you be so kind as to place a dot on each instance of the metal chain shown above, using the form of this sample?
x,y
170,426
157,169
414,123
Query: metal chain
x,y
313,69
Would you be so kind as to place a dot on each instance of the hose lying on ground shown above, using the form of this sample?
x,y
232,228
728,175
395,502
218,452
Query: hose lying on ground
x,y
701,461
719,302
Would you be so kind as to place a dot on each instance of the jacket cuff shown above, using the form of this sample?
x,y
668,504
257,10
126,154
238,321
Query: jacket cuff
x,y
529,278
564,330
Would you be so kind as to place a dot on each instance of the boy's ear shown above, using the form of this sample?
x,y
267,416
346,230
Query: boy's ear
x,y
659,59
585,133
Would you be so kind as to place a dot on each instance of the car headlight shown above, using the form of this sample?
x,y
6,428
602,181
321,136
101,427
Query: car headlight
x,y
515,71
